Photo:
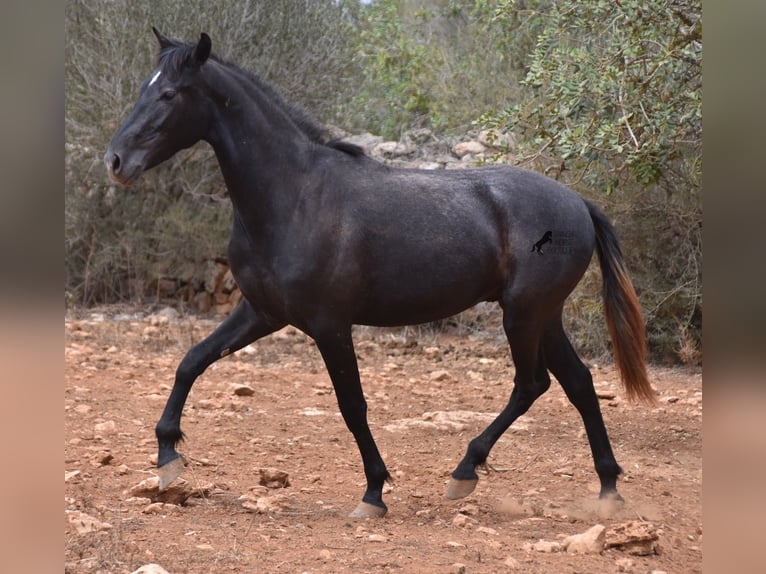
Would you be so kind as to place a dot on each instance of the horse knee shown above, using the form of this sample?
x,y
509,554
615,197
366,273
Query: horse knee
x,y
191,366
530,390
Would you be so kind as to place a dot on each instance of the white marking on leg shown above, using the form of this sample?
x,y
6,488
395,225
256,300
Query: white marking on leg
x,y
154,78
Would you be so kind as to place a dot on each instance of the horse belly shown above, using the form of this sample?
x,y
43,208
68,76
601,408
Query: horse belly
x,y
424,291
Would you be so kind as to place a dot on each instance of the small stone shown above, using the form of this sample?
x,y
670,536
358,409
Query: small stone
x,y
453,544
377,538
85,524
273,478
105,427
457,568
460,520
325,555
487,530
624,565
159,508
440,376
205,547
70,475
103,459
82,409
472,147
589,542
150,569
244,390
512,563
564,471
545,546
469,509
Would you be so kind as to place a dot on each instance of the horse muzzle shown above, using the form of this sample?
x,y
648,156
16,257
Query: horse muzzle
x,y
119,171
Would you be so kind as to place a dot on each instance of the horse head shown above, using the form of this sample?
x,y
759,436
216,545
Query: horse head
x,y
169,114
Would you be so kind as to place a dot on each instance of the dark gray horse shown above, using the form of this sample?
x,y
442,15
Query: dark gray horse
x,y
325,237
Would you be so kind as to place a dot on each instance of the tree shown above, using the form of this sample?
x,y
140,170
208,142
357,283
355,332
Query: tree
x,y
613,92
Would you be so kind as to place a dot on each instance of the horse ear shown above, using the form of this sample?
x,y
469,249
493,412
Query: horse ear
x,y
202,51
164,42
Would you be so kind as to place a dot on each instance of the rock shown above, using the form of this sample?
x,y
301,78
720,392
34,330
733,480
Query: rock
x,y
440,376
635,537
273,478
392,150
512,563
159,508
487,530
457,568
325,555
469,509
468,148
178,492
591,541
545,546
85,524
564,471
624,565
377,538
418,136
150,569
105,427
461,520
366,141
244,390
264,504
69,475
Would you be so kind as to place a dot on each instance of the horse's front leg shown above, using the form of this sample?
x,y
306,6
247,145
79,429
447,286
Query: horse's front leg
x,y
337,348
240,328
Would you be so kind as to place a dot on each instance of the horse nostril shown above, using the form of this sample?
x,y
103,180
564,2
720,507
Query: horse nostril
x,y
116,163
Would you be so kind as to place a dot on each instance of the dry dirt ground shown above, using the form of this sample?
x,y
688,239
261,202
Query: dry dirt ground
x,y
428,395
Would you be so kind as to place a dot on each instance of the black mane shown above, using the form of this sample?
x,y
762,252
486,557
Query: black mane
x,y
176,55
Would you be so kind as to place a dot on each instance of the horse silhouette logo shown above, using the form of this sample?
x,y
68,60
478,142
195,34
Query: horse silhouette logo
x,y
546,238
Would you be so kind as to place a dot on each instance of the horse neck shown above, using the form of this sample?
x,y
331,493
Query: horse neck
x,y
261,151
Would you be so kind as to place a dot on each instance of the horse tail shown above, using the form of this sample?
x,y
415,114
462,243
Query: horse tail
x,y
623,313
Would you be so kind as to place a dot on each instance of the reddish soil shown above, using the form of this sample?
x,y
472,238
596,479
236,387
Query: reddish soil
x,y
119,368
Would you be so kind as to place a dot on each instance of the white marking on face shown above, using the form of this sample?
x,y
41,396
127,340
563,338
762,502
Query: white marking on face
x,y
154,78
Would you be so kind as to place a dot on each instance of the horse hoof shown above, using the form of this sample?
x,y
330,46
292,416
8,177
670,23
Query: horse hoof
x,y
167,473
366,510
609,505
460,488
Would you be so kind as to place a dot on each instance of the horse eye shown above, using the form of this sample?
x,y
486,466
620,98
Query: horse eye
x,y
168,95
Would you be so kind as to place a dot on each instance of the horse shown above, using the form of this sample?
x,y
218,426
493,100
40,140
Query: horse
x,y
324,237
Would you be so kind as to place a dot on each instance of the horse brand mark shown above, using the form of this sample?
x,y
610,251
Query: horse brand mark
x,y
543,240
561,242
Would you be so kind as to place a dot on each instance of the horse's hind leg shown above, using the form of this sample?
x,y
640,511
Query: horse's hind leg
x,y
531,381
576,380
240,328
